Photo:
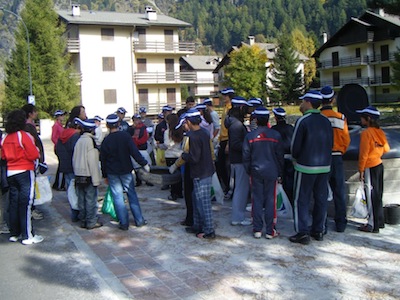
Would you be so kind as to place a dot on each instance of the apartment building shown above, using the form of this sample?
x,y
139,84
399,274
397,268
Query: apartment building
x,y
126,59
205,83
360,53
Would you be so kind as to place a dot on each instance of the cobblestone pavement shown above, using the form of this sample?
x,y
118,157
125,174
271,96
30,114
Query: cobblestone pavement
x,y
162,261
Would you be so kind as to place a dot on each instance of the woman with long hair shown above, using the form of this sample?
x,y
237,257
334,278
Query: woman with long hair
x,y
20,152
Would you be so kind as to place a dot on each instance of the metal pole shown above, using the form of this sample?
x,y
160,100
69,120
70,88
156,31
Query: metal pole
x,y
29,50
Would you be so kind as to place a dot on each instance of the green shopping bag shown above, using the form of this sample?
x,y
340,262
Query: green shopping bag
x,y
108,205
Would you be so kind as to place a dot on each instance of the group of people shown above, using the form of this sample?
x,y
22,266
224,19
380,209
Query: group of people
x,y
249,157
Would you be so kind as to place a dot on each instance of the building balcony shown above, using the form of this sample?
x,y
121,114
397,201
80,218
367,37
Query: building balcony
x,y
76,76
364,81
164,48
164,77
73,45
350,61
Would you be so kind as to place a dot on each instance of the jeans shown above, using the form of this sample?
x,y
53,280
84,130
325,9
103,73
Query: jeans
x,y
22,189
87,201
118,185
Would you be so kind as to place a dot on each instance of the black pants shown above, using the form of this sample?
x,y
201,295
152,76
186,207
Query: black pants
x,y
59,178
223,168
188,190
176,189
376,176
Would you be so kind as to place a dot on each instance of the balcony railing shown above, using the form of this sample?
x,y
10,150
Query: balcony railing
x,y
164,77
162,47
76,75
73,45
364,81
356,61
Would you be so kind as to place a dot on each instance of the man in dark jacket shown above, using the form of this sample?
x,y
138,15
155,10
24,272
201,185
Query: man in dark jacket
x,y
263,161
116,164
312,151
286,132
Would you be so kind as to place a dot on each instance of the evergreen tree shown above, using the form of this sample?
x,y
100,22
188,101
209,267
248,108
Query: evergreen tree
x,y
396,69
52,84
246,71
287,83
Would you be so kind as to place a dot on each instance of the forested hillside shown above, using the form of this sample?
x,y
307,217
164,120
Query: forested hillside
x,y
218,24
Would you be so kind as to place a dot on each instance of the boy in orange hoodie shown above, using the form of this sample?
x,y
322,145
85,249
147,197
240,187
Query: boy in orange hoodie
x,y
373,144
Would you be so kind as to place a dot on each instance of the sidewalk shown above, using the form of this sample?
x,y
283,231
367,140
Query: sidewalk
x,y
162,261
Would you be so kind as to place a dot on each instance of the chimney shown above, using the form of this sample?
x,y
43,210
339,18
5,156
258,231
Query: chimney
x,y
251,40
324,37
151,14
76,10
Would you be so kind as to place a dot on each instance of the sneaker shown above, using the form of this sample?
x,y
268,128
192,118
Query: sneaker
x,y
245,222
14,238
37,214
257,234
144,223
97,225
273,235
4,229
301,238
368,228
202,235
35,240
249,207
122,227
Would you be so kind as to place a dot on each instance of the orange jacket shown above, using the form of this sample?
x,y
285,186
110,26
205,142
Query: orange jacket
x,y
341,136
373,144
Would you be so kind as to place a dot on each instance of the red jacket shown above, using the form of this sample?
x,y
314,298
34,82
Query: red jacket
x,y
140,136
57,129
20,153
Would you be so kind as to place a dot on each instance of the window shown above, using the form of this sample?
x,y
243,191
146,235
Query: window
x,y
144,97
386,91
141,65
108,64
385,75
358,73
335,59
358,52
107,34
171,96
336,78
110,96
384,52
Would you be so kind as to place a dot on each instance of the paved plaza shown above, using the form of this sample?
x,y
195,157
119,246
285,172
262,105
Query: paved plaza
x,y
162,261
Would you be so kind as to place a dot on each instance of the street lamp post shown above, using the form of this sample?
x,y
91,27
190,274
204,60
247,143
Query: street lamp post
x,y
31,97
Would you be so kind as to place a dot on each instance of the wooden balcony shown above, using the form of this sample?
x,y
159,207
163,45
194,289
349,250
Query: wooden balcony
x,y
350,61
164,48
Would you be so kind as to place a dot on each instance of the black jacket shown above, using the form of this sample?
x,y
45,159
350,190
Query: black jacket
x,y
236,132
312,143
286,131
263,153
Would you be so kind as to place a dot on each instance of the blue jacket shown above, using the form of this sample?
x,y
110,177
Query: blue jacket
x,y
65,149
115,154
312,142
263,153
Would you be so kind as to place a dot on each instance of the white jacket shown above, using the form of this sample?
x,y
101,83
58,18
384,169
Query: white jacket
x,y
85,160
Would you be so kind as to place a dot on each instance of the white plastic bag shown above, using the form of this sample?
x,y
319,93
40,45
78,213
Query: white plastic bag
x,y
285,209
218,192
72,196
43,193
359,209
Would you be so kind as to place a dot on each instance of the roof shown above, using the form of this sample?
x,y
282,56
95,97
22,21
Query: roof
x,y
201,62
118,19
368,20
269,48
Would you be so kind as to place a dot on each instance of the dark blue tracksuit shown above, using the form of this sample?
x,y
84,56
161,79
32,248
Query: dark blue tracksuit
x,y
312,151
263,161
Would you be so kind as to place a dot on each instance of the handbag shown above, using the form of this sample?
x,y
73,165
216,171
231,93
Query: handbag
x,y
108,205
360,209
43,193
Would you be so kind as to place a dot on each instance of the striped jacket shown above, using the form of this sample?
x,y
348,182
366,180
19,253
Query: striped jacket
x,y
341,136
312,143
